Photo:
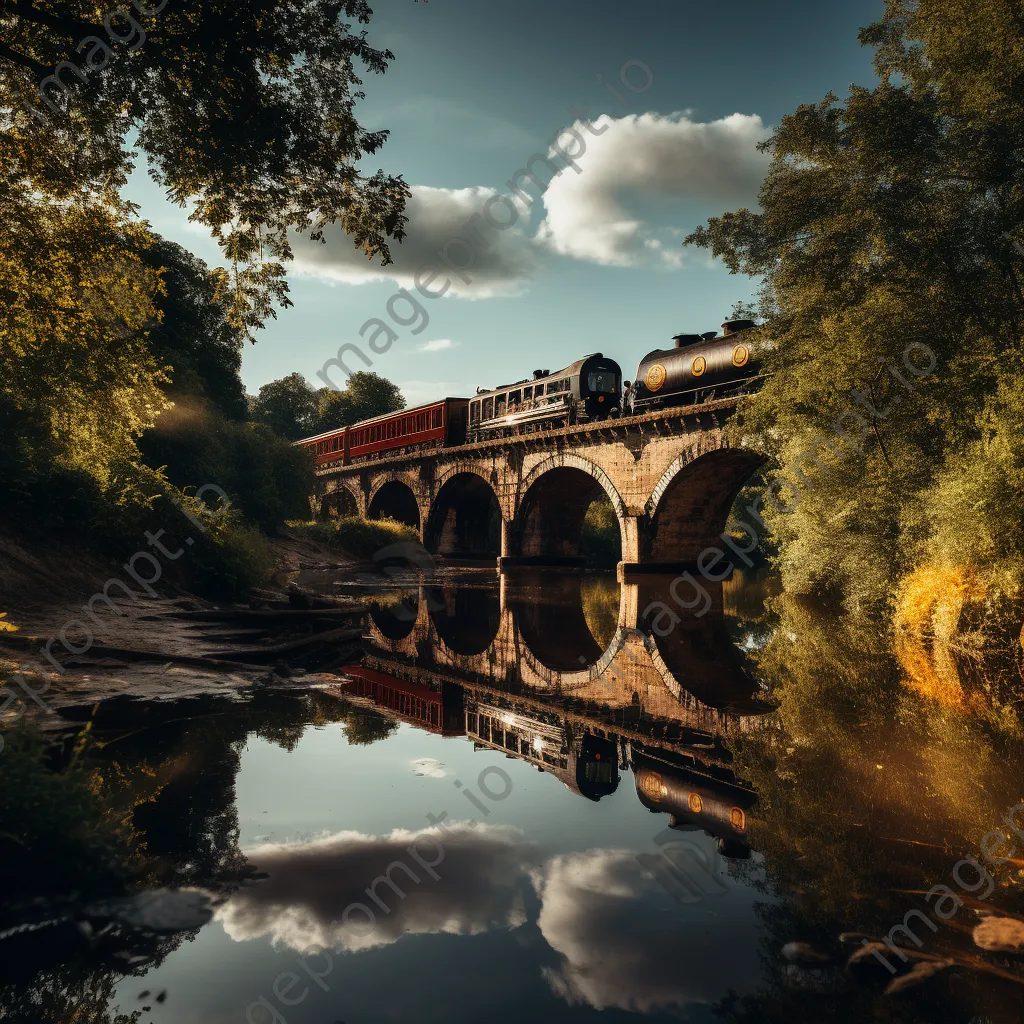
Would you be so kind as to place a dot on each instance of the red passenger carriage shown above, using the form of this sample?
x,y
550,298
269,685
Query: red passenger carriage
x,y
440,424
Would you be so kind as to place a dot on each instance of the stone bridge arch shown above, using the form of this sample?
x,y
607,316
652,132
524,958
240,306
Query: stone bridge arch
x,y
554,498
398,498
465,515
689,507
340,500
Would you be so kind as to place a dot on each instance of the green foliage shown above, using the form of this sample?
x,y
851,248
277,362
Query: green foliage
x,y
193,336
287,406
269,89
601,539
77,382
59,824
365,395
887,223
364,726
268,479
293,409
360,537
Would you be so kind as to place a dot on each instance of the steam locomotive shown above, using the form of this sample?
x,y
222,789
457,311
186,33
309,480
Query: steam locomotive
x,y
589,389
698,368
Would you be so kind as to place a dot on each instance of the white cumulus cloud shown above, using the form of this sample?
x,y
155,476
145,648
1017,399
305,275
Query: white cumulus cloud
x,y
438,345
500,264
647,156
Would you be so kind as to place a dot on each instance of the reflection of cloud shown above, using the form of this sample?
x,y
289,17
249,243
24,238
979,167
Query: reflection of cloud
x,y
653,156
607,919
436,215
429,767
311,884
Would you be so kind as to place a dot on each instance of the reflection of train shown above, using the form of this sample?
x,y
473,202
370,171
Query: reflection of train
x,y
699,368
694,799
587,764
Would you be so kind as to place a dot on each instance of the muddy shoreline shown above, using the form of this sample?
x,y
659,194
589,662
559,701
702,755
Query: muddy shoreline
x,y
170,647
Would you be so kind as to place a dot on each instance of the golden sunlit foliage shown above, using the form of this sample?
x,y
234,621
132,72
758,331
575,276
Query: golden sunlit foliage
x,y
890,247
74,306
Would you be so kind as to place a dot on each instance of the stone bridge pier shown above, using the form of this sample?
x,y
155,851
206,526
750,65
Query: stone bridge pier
x,y
671,479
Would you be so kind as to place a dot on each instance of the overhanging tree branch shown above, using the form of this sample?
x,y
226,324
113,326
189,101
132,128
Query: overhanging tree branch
x,y
70,27
37,68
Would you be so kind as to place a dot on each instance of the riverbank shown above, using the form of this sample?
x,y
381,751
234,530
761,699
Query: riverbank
x,y
72,638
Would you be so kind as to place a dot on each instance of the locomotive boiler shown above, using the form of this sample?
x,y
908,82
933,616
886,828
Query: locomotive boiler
x,y
700,367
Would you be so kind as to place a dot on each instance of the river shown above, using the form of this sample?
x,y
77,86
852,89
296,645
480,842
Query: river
x,y
550,798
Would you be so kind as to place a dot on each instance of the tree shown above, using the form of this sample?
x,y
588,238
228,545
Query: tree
x,y
288,406
366,395
890,228
269,88
193,336
77,381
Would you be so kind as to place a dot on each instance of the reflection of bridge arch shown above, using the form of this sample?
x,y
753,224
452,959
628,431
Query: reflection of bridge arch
x,y
689,508
395,499
465,517
396,621
555,497
656,659
466,619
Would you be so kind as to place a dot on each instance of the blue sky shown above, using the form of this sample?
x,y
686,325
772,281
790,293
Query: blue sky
x,y
596,264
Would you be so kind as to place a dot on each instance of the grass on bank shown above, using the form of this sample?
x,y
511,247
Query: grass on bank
x,y
360,537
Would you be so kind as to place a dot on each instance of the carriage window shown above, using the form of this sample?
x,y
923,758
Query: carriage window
x,y
602,380
513,399
474,413
488,408
499,405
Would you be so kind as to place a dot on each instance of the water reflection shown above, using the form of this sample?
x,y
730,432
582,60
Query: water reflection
x,y
312,885
745,827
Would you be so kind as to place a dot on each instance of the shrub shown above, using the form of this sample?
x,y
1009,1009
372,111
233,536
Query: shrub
x,y
360,537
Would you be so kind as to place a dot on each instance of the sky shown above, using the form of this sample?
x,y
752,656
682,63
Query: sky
x,y
595,263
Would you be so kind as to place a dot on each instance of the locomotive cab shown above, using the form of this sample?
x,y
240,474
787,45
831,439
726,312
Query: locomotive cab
x,y
600,387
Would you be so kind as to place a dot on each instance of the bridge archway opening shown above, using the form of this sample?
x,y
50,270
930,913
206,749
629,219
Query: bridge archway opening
x,y
465,521
694,507
467,619
339,504
396,501
567,515
397,619
563,630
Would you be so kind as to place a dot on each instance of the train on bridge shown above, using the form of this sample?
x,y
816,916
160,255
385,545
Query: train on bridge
x,y
698,368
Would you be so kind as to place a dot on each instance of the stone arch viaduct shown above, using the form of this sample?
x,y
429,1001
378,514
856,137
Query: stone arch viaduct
x,y
671,477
